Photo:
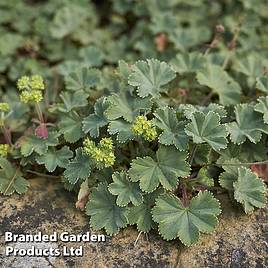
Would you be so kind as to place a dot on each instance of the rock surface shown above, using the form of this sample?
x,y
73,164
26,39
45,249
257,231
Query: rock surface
x,y
239,241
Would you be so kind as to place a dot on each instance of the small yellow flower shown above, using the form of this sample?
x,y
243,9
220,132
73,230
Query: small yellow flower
x,y
106,143
30,88
103,153
109,159
24,83
31,96
4,107
144,127
89,146
150,134
37,82
98,155
4,149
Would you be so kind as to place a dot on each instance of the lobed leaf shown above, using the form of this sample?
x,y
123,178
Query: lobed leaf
x,y
125,190
104,212
97,120
32,143
262,84
55,158
262,107
82,79
176,220
11,179
70,126
123,130
214,77
126,106
173,130
188,62
141,215
79,168
168,166
249,125
150,76
249,190
207,128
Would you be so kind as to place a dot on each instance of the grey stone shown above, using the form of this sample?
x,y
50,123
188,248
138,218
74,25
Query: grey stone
x,y
239,240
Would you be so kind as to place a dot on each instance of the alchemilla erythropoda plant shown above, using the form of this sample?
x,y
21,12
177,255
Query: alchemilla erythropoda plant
x,y
146,113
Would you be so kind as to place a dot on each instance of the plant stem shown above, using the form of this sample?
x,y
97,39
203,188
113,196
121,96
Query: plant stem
x,y
227,58
7,135
184,195
43,174
39,113
191,158
232,46
207,98
242,164
11,181
236,164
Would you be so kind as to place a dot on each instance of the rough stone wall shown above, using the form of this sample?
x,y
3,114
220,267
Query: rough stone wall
x,y
239,241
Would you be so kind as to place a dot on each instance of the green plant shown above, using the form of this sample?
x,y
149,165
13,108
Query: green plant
x,y
150,142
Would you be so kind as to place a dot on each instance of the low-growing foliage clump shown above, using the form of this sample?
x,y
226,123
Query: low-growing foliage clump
x,y
148,112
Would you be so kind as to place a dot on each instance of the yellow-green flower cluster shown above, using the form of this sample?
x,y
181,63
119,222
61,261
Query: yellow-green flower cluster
x,y
4,149
102,153
31,87
143,127
34,82
31,96
4,107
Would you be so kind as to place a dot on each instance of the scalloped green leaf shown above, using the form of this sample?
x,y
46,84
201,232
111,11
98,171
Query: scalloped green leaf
x,y
141,215
214,77
11,179
189,109
170,164
249,125
70,126
91,56
97,120
67,19
185,222
262,84
32,143
188,62
150,77
249,190
127,106
55,158
123,130
72,101
104,211
229,176
249,66
82,79
262,107
79,167
207,128
173,130
246,152
126,191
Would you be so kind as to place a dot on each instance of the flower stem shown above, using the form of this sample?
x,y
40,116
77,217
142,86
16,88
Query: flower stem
x,y
39,113
7,135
